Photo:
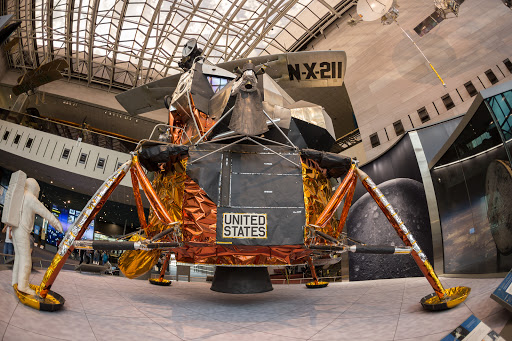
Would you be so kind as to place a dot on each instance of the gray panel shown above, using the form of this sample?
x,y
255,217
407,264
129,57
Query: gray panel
x,y
265,163
254,181
219,101
201,90
262,190
284,226
206,172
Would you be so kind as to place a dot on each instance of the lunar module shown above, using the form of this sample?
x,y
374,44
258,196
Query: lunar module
x,y
243,179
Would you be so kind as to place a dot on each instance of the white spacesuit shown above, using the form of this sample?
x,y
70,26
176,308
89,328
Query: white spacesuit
x,y
21,234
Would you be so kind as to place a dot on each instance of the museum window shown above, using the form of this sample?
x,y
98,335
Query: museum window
x,y
508,64
29,143
374,139
423,114
65,153
470,88
491,76
83,158
101,163
448,102
399,127
17,139
6,135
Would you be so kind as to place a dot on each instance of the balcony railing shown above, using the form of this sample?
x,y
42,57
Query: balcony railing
x,y
83,134
349,140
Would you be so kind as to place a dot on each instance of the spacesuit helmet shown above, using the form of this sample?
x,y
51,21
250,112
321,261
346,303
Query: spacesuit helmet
x,y
32,186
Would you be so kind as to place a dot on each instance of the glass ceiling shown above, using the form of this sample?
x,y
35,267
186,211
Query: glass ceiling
x,y
127,43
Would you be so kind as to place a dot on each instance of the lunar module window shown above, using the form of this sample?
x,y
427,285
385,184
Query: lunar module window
x,y
217,83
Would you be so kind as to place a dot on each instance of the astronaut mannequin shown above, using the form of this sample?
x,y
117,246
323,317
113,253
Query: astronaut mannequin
x,y
21,234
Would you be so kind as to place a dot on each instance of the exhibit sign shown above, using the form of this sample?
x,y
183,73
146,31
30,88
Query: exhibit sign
x,y
473,330
503,293
244,225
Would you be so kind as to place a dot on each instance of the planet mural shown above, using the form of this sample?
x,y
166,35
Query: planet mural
x,y
368,224
498,188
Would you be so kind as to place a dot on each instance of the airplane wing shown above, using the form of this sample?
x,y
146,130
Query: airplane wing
x,y
306,69
148,97
55,65
36,80
6,31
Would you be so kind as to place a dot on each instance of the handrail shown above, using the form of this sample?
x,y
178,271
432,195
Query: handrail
x,y
5,114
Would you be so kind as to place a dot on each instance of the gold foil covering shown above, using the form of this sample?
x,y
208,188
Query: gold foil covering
x,y
35,301
242,255
199,215
152,196
135,263
454,296
346,207
336,199
51,273
169,187
138,201
317,192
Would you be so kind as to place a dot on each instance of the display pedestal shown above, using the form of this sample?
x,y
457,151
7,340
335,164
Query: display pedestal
x,y
241,280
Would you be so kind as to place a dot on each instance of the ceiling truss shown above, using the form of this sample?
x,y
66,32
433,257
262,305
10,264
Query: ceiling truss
x,y
122,44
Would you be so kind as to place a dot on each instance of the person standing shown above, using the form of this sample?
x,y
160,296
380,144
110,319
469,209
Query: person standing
x,y
105,257
88,257
8,246
96,257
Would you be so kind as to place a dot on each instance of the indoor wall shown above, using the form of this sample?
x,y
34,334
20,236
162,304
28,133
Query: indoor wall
x,y
388,80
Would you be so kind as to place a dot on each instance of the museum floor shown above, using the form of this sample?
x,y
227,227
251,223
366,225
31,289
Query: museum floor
x,y
115,308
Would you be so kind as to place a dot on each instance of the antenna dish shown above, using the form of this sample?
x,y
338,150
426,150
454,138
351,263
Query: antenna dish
x,y
371,10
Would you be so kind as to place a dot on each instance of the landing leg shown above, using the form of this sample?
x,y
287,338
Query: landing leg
x,y
161,280
315,284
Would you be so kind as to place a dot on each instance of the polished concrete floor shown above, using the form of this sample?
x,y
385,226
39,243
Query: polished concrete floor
x,y
113,308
